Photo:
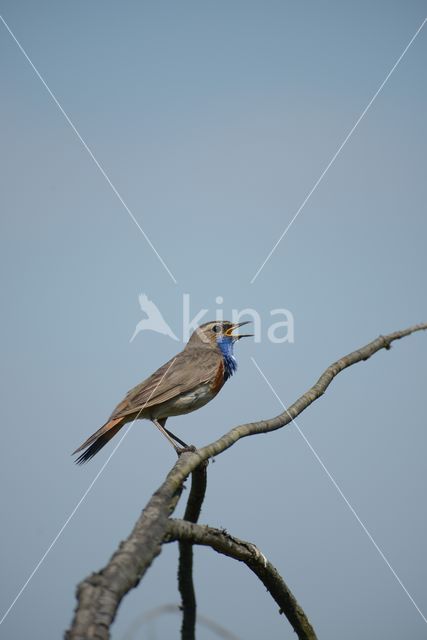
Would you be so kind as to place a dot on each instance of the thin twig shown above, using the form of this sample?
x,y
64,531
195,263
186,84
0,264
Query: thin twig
x,y
158,612
99,595
185,564
246,552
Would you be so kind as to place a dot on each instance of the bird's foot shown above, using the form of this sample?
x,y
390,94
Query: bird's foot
x,y
188,449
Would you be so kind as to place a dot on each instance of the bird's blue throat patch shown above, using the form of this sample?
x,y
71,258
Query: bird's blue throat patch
x,y
226,345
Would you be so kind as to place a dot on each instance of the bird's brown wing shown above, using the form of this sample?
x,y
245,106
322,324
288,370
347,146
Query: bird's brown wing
x,y
183,373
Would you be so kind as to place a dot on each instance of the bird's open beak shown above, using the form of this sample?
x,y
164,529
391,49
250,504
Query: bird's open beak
x,y
229,331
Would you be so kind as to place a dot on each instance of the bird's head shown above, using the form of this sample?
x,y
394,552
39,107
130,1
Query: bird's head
x,y
216,333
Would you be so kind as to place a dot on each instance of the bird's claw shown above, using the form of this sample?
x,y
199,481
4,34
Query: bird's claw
x,y
188,449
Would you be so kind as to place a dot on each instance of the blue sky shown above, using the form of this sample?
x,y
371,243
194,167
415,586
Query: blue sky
x,y
213,121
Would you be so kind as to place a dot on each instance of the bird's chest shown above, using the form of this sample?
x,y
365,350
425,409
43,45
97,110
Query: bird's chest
x,y
228,364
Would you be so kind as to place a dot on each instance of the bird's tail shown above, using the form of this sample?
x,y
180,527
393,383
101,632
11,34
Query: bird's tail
x,y
98,440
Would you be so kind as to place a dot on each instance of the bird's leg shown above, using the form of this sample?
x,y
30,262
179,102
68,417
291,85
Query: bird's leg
x,y
167,435
181,442
172,435
185,447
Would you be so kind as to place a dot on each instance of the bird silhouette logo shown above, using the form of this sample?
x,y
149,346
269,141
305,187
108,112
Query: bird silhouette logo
x,y
154,320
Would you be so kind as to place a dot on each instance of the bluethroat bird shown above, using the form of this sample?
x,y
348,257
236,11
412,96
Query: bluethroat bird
x,y
187,382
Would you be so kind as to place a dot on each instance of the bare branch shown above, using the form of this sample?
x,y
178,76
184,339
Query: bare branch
x,y
100,594
185,565
246,552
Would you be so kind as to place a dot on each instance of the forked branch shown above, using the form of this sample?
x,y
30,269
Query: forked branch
x,y
99,595
185,563
249,554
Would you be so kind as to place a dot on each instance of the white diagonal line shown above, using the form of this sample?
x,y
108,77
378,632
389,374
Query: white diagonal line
x,y
56,538
74,511
338,151
87,148
337,487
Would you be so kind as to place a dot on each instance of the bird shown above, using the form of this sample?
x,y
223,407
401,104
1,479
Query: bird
x,y
183,384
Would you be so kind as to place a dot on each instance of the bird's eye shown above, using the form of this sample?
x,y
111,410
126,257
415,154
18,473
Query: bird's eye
x,y
216,328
